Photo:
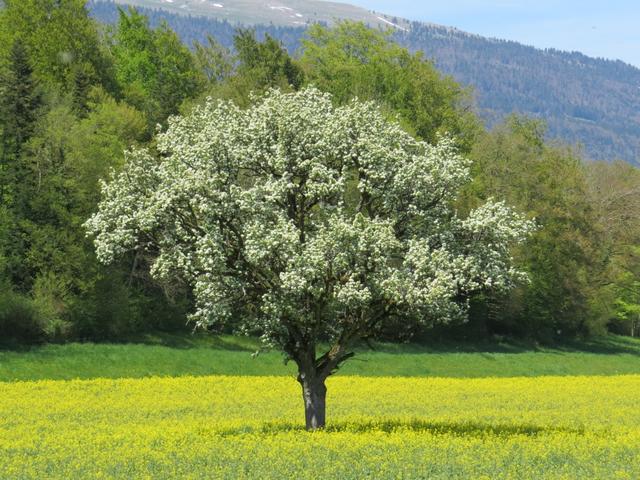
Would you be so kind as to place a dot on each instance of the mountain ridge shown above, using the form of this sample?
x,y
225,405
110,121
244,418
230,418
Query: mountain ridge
x,y
277,12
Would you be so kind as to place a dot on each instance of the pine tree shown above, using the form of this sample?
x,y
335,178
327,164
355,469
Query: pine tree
x,y
20,106
20,103
82,79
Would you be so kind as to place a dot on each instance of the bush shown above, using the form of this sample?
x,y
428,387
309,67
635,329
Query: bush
x,y
20,318
106,310
51,299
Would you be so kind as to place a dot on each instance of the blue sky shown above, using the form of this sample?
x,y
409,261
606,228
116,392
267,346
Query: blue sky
x,y
609,29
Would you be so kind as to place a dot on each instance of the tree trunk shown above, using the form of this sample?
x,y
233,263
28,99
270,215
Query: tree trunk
x,y
314,394
312,374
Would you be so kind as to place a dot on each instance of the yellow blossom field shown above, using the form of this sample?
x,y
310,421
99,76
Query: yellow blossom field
x,y
251,427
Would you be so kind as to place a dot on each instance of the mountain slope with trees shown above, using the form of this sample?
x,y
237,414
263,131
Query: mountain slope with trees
x,y
586,101
280,12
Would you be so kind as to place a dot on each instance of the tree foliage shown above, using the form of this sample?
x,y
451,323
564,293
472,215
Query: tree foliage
x,y
267,61
564,259
251,67
20,107
351,60
154,69
615,194
60,37
62,131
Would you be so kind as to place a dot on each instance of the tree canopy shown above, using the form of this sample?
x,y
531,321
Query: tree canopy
x,y
351,60
155,71
60,36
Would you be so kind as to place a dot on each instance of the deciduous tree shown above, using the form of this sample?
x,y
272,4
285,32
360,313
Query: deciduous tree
x,y
351,60
310,223
154,69
59,35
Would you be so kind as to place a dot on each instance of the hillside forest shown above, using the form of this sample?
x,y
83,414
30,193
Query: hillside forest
x,y
593,102
75,94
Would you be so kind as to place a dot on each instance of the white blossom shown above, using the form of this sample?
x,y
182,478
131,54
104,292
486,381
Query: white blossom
x,y
295,216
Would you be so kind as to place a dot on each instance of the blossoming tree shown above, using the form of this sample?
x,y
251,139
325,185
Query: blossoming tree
x,y
311,224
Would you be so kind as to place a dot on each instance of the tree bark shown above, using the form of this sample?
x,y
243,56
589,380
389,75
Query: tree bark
x,y
314,394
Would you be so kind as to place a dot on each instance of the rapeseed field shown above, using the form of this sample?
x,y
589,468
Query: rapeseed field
x,y
252,427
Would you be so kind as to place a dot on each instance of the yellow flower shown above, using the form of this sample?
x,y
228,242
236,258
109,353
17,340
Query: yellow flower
x,y
251,427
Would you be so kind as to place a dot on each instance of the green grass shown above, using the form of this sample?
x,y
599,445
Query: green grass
x,y
198,355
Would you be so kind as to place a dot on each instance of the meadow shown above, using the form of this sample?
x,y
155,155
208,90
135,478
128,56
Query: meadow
x,y
203,355
206,424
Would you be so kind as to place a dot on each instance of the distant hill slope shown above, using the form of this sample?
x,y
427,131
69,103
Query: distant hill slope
x,y
584,100
277,12
593,102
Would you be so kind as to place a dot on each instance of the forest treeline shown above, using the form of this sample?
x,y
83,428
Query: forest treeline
x,y
76,94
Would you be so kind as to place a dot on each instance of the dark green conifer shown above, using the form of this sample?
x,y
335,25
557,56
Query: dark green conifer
x,y
20,105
